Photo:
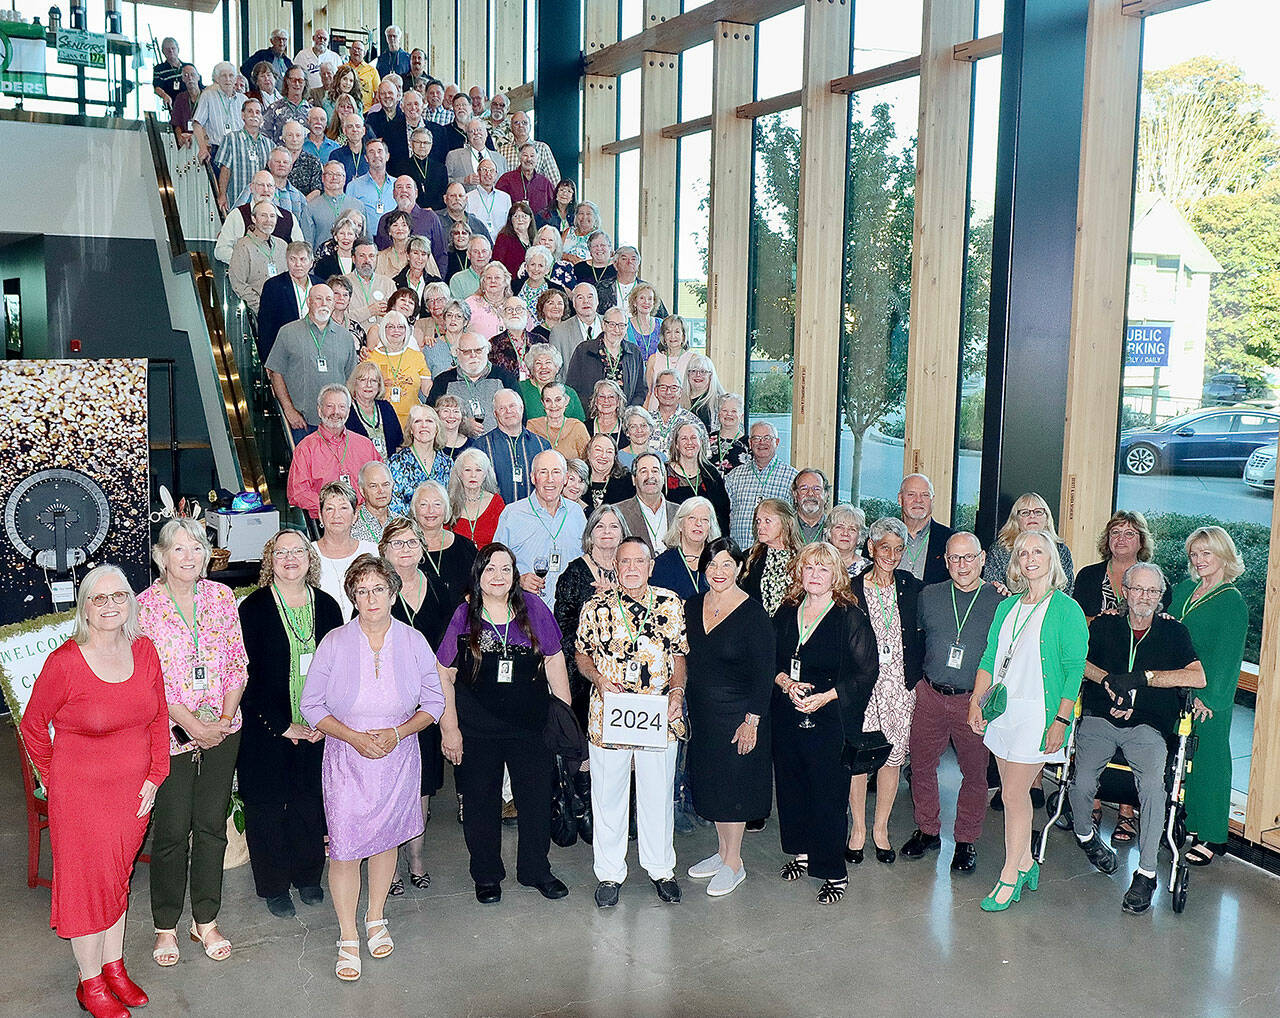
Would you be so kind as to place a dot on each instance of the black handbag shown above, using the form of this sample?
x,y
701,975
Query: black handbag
x,y
562,734
865,752
564,825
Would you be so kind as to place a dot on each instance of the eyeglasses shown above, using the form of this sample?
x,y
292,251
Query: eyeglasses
x,y
1125,534
1030,514
289,553
843,528
115,597
667,388
381,590
615,325
399,544
965,559
472,352
1145,591
761,438
810,488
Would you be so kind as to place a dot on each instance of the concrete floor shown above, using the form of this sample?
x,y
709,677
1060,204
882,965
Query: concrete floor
x,y
907,939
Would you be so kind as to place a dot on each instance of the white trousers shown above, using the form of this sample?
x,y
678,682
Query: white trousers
x,y
655,817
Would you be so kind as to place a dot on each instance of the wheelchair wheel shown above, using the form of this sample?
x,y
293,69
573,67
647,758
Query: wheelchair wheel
x,y
1180,888
1179,832
906,774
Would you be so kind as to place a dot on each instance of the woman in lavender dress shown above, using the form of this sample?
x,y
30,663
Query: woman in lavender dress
x,y
370,688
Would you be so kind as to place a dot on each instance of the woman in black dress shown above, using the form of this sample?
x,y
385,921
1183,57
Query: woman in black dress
x,y
607,482
279,764
766,575
677,568
448,556
690,472
826,667
730,667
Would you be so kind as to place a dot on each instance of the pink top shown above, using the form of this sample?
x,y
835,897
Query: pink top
x,y
320,458
221,649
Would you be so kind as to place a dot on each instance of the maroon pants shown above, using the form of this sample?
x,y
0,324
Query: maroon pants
x,y
940,719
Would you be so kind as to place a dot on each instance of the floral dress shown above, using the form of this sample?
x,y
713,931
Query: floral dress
x,y
892,704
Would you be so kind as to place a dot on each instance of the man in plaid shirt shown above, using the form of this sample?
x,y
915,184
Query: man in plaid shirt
x,y
764,475
510,148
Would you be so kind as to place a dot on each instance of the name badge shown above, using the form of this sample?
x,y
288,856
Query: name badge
x,y
345,478
517,475
506,670
633,673
554,563
304,664
199,679
955,655
395,394
886,654
379,208
795,669
322,365
476,412
635,720
271,268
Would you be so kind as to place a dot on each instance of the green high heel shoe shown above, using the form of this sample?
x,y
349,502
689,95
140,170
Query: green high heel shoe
x,y
990,904
1029,878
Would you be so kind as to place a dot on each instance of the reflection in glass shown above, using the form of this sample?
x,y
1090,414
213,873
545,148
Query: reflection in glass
x,y
692,224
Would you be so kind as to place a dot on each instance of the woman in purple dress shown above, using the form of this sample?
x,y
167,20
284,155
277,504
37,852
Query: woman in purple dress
x,y
371,687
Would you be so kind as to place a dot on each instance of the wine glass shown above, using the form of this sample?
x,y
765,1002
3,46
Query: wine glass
x,y
541,566
806,719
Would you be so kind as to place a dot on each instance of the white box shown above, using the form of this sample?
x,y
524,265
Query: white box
x,y
244,534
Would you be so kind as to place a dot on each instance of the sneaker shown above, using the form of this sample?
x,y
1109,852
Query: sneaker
x,y
1102,855
726,880
1138,898
709,867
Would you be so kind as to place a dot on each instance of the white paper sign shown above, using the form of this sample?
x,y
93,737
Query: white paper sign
x,y
635,719
22,655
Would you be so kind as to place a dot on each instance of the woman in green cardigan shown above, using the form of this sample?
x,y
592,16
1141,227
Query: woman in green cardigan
x,y
1036,647
1214,612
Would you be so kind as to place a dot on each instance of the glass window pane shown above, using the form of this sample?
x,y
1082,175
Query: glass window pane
x,y
885,31
879,219
695,82
631,19
990,17
629,104
772,294
977,290
628,231
776,70
692,223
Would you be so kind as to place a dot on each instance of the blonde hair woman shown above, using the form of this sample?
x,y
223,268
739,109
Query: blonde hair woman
x,y
1029,512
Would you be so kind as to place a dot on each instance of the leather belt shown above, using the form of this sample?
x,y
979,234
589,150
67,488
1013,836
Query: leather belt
x,y
947,690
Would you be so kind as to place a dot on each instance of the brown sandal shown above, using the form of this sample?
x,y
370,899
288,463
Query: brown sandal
x,y
1126,830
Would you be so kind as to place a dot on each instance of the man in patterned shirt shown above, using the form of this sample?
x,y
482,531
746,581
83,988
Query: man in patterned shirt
x,y
633,640
764,475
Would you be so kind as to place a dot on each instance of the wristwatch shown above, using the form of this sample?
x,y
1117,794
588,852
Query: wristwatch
x,y
1065,721
752,719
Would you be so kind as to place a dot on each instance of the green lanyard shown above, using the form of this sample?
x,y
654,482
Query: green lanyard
x,y
316,339
655,534
195,618
626,619
267,252
1188,607
960,624
296,629
764,478
365,288
1133,647
1018,627
693,577
488,209
913,559
806,630
506,629
412,613
884,608
533,504
418,459
301,294
692,482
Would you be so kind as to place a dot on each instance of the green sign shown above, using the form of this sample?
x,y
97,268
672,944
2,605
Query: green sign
x,y
22,57
85,49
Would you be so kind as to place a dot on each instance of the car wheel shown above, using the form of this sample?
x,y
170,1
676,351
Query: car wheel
x,y
1141,460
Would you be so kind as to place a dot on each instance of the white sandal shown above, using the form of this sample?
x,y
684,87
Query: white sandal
x,y
166,957
348,962
379,940
213,950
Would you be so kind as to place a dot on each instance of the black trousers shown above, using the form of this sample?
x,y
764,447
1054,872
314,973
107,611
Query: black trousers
x,y
813,792
286,843
479,779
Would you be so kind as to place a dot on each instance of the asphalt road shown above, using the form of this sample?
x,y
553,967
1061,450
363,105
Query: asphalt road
x,y
1229,498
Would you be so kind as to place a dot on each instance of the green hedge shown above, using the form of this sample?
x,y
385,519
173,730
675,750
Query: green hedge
x,y
770,393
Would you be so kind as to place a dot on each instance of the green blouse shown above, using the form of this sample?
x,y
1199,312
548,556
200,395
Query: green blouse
x,y
1218,623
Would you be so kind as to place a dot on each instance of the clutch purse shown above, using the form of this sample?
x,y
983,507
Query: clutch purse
x,y
994,701
865,752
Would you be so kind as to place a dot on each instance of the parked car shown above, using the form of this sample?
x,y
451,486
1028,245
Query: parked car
x,y
1260,469
1225,387
1204,442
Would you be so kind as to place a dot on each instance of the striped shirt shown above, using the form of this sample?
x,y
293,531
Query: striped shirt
x,y
747,487
244,156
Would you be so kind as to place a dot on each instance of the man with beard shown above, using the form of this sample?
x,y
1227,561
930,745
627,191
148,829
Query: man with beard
x,y
329,453
1136,664
511,447
291,107
306,356
525,183
648,513
455,211
811,495
425,222
925,554
236,225
521,136
369,290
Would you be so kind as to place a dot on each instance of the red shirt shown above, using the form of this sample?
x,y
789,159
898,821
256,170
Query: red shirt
x,y
320,458
537,191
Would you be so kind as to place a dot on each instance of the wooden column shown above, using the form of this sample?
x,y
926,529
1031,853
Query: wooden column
x,y
824,140
442,45
508,56
412,17
473,44
1103,214
938,249
1262,811
729,222
659,106
599,116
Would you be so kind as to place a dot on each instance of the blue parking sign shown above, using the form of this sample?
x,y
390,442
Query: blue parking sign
x,y
1147,346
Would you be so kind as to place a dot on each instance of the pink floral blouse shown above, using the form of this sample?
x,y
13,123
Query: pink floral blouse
x,y
221,649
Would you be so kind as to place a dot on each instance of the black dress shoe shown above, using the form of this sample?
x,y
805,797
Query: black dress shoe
x,y
997,802
919,843
885,855
1102,855
551,888
755,826
607,893
311,895
853,855
281,906
966,857
488,894
667,888
1138,898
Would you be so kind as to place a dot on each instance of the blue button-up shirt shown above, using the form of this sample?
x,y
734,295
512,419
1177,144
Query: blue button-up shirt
x,y
531,533
367,192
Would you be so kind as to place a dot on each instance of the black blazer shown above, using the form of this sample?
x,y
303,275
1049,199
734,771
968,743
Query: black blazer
x,y
272,768
859,659
277,307
908,590
935,555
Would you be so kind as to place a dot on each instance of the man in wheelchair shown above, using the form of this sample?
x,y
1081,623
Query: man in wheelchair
x,y
1136,666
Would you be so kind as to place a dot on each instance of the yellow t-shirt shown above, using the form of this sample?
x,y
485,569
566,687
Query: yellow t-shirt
x,y
369,82
404,374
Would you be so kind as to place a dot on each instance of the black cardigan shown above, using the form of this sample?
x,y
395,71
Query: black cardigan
x,y
271,767
859,659
1087,592
908,591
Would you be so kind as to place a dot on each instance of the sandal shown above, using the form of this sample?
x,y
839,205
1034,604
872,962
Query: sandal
x,y
397,888
1199,854
380,940
1126,830
166,956
420,880
795,869
217,950
832,891
347,961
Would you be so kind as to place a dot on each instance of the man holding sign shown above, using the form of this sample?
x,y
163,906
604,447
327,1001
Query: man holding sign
x,y
631,645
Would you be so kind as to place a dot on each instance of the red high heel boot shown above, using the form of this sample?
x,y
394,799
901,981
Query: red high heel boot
x,y
93,996
129,993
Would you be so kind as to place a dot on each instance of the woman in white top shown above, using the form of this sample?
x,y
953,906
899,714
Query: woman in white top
x,y
337,548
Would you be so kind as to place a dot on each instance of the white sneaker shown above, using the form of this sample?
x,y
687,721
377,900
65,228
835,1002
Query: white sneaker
x,y
709,867
725,881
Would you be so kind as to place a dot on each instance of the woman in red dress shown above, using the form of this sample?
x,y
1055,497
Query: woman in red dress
x,y
475,504
103,693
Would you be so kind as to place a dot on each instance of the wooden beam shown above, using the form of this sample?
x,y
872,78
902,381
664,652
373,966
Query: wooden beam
x,y
976,49
874,76
729,220
1104,208
938,250
508,35
1145,8
679,33
442,50
686,127
473,44
521,97
824,143
599,116
616,148
763,107
1262,812
659,99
